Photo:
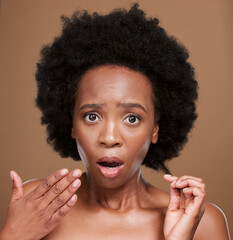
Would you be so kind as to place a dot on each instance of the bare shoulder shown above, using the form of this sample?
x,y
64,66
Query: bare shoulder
x,y
213,224
30,185
157,198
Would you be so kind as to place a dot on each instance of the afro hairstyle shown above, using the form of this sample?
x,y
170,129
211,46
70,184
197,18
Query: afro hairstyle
x,y
121,38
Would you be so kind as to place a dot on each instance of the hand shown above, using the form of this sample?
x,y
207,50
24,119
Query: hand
x,y
181,221
34,215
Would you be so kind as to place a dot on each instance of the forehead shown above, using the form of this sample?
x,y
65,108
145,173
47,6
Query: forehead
x,y
109,83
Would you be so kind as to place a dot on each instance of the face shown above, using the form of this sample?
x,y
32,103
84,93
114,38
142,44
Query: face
x,y
113,123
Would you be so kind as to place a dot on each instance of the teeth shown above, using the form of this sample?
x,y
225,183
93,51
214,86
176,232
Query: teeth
x,y
109,164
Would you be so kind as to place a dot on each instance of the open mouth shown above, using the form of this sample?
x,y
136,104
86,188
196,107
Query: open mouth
x,y
110,167
109,164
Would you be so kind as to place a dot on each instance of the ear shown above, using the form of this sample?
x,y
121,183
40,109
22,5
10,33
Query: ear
x,y
155,134
72,133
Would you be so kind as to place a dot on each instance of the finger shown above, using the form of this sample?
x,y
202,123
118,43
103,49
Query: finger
x,y
170,178
17,187
60,186
181,178
187,196
61,212
47,183
175,199
198,198
195,192
64,197
189,182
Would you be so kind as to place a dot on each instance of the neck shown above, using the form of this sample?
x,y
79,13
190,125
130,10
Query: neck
x,y
122,198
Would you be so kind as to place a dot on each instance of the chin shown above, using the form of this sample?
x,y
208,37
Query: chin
x,y
114,182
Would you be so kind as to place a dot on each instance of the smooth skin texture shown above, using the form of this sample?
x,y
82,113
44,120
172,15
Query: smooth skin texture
x,y
114,117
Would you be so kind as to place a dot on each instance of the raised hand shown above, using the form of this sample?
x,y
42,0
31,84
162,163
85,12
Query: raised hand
x,y
32,216
184,213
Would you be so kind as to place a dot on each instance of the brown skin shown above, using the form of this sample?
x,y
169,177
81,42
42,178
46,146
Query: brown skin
x,y
113,116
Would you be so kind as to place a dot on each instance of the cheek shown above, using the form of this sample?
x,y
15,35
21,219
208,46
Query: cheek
x,y
85,142
137,151
138,147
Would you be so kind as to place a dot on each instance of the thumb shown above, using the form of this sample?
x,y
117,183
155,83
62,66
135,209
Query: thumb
x,y
175,199
17,188
175,194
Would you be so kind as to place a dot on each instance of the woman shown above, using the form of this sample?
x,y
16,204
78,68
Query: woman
x,y
117,92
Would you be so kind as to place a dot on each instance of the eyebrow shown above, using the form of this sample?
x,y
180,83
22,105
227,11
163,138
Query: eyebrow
x,y
125,105
131,105
92,105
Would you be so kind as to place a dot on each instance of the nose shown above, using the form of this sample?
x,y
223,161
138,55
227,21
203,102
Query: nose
x,y
110,135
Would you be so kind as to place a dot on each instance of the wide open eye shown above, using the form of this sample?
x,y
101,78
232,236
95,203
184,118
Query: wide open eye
x,y
91,117
132,119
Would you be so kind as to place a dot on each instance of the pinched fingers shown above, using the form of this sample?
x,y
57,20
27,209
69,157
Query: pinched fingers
x,y
183,182
184,213
193,189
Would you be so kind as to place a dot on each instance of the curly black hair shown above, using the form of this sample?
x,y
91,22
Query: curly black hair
x,y
121,38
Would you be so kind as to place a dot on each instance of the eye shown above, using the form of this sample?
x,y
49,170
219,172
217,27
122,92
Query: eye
x,y
91,117
132,119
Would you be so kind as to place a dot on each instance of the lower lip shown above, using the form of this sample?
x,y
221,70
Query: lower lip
x,y
110,172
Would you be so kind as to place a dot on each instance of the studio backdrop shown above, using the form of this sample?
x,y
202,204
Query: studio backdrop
x,y
204,27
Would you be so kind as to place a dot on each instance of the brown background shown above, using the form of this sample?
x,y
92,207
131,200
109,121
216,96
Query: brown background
x,y
205,27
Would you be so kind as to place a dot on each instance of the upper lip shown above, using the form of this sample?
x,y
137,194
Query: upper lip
x,y
110,160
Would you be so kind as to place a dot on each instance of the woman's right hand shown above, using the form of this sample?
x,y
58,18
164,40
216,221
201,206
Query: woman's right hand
x,y
32,216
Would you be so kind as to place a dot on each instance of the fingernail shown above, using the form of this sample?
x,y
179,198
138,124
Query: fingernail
x,y
76,173
76,183
63,172
167,175
73,198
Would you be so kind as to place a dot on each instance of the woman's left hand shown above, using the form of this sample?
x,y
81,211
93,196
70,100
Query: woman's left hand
x,y
184,213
